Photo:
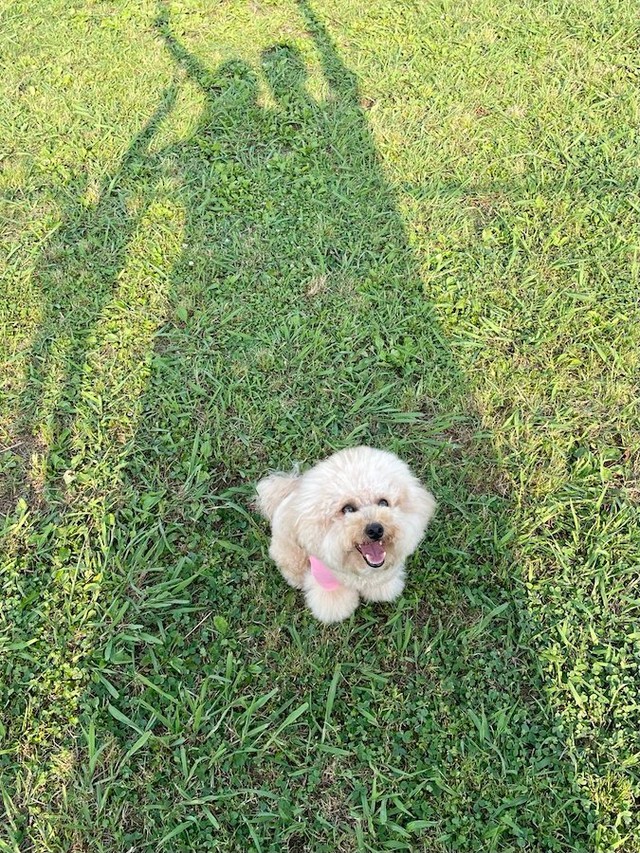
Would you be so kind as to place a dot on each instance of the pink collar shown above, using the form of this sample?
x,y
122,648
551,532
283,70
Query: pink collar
x,y
323,575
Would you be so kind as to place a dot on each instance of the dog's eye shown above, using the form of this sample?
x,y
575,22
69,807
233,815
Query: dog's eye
x,y
383,502
348,508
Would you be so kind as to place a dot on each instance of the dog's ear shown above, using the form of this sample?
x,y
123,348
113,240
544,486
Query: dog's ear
x,y
421,503
272,491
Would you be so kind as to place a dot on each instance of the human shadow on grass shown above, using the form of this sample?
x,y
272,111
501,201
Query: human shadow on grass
x,y
299,324
55,534
76,277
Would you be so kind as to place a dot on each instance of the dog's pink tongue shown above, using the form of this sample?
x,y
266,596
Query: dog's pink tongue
x,y
373,552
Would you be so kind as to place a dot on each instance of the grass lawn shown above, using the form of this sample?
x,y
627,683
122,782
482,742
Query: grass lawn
x,y
239,234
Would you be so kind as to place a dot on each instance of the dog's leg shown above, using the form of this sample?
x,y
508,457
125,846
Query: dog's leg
x,y
388,591
290,559
329,605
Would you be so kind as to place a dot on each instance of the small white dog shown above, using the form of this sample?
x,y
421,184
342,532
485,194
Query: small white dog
x,y
345,528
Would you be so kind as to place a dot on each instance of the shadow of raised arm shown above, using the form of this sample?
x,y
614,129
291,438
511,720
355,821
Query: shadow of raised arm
x,y
195,69
339,77
212,83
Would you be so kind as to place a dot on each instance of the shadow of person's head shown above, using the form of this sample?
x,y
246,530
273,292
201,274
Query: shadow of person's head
x,y
233,78
285,71
234,81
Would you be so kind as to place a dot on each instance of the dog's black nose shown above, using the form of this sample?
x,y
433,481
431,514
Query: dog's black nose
x,y
374,531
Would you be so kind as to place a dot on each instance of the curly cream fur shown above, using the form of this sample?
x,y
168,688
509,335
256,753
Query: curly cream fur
x,y
305,512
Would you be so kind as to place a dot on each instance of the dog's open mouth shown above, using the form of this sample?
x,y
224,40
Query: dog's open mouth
x,y
373,553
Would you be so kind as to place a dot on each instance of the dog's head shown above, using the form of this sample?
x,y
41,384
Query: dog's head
x,y
362,512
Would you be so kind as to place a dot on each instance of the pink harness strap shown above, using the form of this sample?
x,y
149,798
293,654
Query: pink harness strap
x,y
323,575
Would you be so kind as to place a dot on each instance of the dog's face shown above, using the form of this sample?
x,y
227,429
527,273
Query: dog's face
x,y
362,512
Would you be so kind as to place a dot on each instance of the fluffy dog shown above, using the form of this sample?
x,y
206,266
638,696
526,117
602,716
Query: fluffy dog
x,y
345,528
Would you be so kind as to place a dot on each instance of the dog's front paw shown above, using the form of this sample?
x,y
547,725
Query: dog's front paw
x,y
388,591
329,605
